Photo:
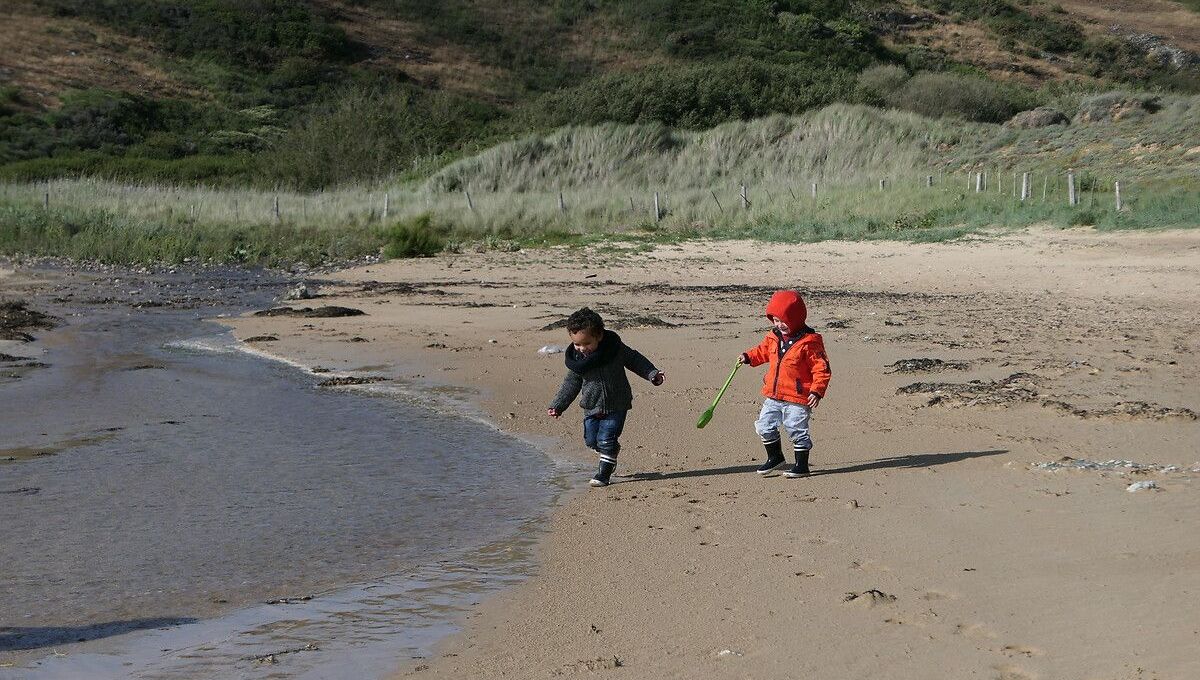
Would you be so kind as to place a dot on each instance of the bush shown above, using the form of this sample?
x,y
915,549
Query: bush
x,y
949,95
255,34
697,96
414,238
878,83
373,132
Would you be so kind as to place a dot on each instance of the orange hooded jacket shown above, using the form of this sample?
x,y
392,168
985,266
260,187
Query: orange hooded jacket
x,y
801,369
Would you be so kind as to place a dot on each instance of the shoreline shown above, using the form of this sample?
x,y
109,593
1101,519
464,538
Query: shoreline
x,y
379,602
686,540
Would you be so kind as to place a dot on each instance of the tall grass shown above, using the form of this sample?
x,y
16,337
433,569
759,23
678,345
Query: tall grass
x,y
580,183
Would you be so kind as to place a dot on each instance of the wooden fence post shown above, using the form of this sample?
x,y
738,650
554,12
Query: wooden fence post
x,y
277,218
1072,199
745,198
1024,185
387,200
657,211
562,205
928,180
470,203
1117,193
883,185
979,182
814,191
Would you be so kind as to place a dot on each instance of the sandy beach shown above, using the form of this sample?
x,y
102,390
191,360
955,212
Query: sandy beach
x,y
963,519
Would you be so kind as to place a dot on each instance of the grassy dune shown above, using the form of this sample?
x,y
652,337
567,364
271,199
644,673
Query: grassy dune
x,y
580,183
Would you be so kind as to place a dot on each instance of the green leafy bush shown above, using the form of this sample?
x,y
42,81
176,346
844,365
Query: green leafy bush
x,y
371,133
254,34
950,95
693,96
878,83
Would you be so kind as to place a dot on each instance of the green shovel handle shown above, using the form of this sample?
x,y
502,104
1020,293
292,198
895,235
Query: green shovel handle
x,y
727,381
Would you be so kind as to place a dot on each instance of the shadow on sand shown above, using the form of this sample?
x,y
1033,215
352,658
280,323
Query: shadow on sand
x,y
17,639
915,460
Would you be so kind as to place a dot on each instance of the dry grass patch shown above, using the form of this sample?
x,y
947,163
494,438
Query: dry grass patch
x,y
397,45
43,56
1171,21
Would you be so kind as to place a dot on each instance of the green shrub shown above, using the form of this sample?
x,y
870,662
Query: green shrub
x,y
414,238
878,83
370,133
695,96
254,34
950,95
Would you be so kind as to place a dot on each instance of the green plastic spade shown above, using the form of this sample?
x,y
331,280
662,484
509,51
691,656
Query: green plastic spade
x,y
707,415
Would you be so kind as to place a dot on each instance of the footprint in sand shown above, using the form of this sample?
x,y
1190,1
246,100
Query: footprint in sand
x,y
934,595
1023,650
975,631
1014,673
869,598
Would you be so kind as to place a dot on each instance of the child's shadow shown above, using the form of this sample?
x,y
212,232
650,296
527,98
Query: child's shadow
x,y
915,460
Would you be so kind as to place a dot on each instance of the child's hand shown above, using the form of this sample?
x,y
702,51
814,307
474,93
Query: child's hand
x,y
659,378
742,359
553,412
813,399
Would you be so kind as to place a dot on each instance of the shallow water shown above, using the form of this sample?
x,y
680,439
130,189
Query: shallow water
x,y
183,481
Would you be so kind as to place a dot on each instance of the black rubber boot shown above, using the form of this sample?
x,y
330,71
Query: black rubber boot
x,y
774,457
800,469
602,474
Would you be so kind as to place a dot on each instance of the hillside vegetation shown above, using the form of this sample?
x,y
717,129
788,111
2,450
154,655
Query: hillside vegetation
x,y
313,94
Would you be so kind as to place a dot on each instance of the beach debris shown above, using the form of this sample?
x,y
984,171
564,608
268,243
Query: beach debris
x,y
16,317
619,324
350,380
1128,409
1016,388
724,653
547,350
871,598
1120,466
327,312
358,338
852,504
299,292
24,491
1142,486
290,600
273,658
492,341
641,322
263,338
925,365
597,664
8,358
839,323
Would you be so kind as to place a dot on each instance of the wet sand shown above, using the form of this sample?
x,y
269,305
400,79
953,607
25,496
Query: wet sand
x,y
931,540
175,507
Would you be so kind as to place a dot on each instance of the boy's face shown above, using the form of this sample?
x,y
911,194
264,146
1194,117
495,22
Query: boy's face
x,y
586,341
780,326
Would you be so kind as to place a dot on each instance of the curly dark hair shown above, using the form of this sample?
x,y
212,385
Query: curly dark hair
x,y
585,319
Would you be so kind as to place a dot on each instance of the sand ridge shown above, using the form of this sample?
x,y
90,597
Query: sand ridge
x,y
928,543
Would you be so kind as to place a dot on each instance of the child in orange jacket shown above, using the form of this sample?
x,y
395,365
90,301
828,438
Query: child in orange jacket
x,y
797,376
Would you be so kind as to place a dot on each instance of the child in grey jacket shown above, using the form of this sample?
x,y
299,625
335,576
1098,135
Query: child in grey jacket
x,y
596,362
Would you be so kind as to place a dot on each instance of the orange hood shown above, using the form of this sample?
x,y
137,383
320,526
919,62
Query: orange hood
x,y
788,306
